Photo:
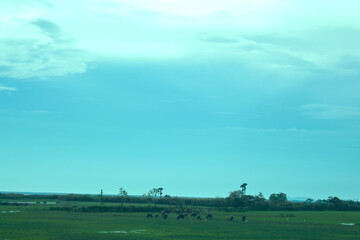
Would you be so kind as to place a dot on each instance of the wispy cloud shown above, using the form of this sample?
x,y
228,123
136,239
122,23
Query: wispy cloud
x,y
329,48
204,8
11,89
218,39
269,129
46,3
324,111
50,29
40,54
37,112
269,34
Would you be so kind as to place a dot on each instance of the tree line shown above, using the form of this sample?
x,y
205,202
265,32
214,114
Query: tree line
x,y
236,200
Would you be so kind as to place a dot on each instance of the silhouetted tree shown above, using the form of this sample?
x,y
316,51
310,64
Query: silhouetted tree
x,y
160,191
147,196
153,193
236,199
122,193
278,198
261,195
243,188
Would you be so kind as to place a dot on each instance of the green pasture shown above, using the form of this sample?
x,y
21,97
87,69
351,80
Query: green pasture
x,y
37,223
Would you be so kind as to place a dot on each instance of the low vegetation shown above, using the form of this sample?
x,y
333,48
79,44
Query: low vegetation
x,y
37,222
153,216
236,201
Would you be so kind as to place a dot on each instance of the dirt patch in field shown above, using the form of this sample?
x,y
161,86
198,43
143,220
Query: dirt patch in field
x,y
9,212
113,232
348,224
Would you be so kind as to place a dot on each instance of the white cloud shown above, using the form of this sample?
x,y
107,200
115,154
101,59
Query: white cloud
x,y
36,48
198,8
289,35
2,88
324,111
281,14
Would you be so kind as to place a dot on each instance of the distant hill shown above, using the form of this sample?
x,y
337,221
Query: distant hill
x,y
297,199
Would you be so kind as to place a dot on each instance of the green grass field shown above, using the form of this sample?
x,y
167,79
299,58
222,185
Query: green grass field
x,y
37,222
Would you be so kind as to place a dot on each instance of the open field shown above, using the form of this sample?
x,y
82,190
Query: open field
x,y
37,222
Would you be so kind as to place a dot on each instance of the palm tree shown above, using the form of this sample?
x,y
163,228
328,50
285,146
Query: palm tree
x,y
243,188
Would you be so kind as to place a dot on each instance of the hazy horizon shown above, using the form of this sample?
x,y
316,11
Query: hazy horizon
x,y
290,198
195,97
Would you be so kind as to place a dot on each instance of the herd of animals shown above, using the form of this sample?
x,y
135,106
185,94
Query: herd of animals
x,y
193,214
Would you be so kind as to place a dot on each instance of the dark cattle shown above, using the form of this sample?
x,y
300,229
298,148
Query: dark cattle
x,y
243,218
165,216
58,202
163,212
230,218
209,216
156,215
149,215
198,218
193,214
181,216
44,202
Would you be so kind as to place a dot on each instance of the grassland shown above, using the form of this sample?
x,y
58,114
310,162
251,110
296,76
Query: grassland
x,y
37,223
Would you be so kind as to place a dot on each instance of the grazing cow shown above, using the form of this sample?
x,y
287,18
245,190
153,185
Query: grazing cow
x,y
230,218
156,215
165,216
209,216
58,202
149,215
44,202
193,214
163,212
181,216
243,218
198,217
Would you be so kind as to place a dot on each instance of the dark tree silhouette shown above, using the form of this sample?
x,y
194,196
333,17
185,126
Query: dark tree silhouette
x,y
243,188
278,197
160,191
122,193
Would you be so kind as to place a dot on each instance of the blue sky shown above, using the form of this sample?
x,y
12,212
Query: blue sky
x,y
194,97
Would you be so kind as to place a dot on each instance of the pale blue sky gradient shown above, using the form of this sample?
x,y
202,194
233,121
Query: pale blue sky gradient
x,y
194,97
